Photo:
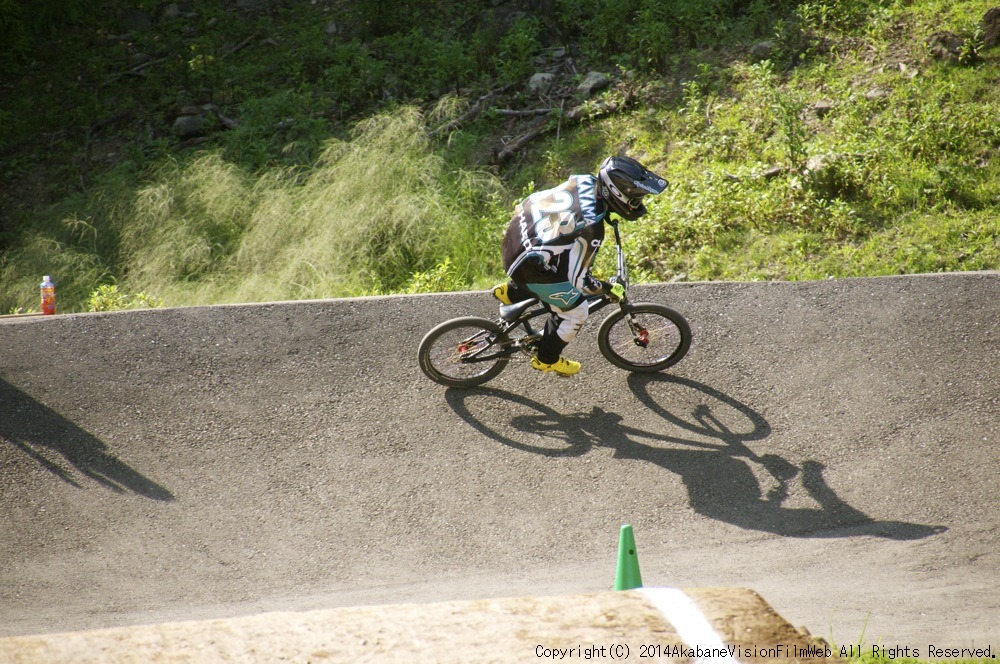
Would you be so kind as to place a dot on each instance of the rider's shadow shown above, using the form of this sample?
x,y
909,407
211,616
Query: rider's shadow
x,y
57,445
710,457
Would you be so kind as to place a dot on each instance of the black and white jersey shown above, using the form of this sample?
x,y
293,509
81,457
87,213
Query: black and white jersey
x,y
554,236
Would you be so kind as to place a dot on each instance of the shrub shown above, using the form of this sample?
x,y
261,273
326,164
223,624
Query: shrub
x,y
107,297
514,60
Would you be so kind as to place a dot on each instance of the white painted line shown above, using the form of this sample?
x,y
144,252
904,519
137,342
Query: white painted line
x,y
691,624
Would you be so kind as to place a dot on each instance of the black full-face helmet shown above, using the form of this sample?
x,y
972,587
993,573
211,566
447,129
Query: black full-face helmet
x,y
623,183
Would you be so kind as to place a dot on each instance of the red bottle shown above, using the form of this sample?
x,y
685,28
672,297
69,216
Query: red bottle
x,y
48,296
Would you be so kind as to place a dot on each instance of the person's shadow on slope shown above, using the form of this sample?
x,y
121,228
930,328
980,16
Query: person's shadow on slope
x,y
38,431
709,453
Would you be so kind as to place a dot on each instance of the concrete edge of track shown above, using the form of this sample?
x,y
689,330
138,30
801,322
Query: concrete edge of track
x,y
722,624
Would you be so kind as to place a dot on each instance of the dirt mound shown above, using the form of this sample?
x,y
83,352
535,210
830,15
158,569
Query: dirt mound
x,y
659,624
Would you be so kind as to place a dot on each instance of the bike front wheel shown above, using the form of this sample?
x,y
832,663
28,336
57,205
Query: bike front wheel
x,y
464,352
644,337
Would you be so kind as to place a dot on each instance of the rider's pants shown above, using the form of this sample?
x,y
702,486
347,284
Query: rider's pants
x,y
561,328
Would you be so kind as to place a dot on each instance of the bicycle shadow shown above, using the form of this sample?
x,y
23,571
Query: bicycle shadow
x,y
707,448
50,439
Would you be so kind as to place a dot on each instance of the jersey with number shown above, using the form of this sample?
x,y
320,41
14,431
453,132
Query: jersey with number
x,y
554,236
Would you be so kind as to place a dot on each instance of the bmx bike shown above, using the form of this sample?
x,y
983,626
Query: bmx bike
x,y
468,351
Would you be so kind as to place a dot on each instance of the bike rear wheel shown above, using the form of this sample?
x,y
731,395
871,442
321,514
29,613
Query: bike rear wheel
x,y
463,352
644,337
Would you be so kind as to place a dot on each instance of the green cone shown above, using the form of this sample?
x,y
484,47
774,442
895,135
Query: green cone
x,y
627,577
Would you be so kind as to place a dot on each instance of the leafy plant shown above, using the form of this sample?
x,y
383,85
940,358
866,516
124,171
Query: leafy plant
x,y
516,49
968,53
107,297
443,277
789,109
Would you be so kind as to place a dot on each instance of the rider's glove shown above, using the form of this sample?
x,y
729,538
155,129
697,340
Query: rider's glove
x,y
614,290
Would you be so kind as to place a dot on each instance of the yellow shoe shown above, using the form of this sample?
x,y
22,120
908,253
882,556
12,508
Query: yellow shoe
x,y
562,366
500,293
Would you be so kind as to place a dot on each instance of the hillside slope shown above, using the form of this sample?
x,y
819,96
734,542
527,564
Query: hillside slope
x,y
264,150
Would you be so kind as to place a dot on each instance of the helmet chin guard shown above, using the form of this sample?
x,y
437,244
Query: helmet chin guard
x,y
623,183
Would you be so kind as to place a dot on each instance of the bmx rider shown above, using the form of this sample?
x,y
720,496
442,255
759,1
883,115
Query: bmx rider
x,y
551,243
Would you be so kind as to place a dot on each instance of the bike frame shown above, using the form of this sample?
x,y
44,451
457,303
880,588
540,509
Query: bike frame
x,y
531,309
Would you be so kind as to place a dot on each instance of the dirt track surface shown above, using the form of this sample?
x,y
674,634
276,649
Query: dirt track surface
x,y
832,445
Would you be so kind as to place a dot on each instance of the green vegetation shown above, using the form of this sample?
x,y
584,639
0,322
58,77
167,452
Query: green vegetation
x,y
881,653
107,297
882,659
803,140
878,657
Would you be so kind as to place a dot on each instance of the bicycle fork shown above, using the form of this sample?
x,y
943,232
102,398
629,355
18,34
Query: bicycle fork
x,y
640,335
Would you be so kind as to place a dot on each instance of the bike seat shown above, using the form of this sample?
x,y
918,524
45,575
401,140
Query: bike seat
x,y
512,311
